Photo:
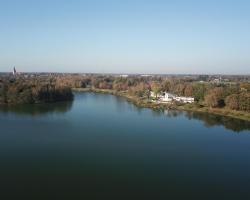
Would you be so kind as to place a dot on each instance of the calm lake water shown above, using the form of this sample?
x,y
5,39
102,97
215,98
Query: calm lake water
x,y
101,146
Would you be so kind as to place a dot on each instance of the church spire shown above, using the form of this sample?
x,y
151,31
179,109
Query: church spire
x,y
14,71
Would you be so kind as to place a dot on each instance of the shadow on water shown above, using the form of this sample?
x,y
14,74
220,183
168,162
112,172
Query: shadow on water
x,y
121,105
38,109
211,120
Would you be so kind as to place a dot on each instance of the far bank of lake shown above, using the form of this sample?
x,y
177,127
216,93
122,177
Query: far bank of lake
x,y
142,102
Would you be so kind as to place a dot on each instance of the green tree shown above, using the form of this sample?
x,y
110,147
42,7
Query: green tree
x,y
199,91
156,88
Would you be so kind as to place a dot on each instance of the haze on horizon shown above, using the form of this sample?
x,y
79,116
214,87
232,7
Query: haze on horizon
x,y
129,36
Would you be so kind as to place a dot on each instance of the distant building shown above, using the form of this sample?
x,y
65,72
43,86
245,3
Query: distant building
x,y
216,80
163,97
185,99
168,97
14,71
124,75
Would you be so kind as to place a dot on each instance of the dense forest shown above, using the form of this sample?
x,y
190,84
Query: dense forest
x,y
26,91
231,95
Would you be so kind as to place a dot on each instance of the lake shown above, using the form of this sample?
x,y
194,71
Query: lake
x,y
101,146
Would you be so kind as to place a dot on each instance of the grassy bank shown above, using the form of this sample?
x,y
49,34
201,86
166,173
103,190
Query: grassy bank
x,y
143,102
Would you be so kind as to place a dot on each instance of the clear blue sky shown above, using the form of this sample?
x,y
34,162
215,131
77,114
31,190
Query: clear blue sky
x,y
126,36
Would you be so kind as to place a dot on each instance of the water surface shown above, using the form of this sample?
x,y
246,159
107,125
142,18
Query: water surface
x,y
101,146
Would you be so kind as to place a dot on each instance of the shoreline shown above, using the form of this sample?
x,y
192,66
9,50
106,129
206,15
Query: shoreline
x,y
142,102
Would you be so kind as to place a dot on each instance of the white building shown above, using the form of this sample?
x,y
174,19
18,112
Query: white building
x,y
164,96
168,97
185,99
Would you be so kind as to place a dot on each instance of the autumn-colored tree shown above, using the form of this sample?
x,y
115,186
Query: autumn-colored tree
x,y
105,85
166,86
244,101
211,100
232,102
138,90
120,86
180,88
22,91
218,91
188,91
245,86
215,97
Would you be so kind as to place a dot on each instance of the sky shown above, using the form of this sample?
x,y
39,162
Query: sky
x,y
125,36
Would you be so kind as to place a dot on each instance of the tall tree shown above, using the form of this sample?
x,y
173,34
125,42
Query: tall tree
x,y
215,97
232,102
156,88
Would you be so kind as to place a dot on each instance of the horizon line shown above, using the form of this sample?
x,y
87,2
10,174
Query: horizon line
x,y
116,73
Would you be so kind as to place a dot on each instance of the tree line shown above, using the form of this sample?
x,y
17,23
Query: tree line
x,y
233,95
26,91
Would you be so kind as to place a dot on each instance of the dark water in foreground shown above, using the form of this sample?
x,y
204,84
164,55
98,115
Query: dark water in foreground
x,y
103,147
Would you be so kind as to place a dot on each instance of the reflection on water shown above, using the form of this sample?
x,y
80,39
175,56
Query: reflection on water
x,y
211,120
37,109
122,105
